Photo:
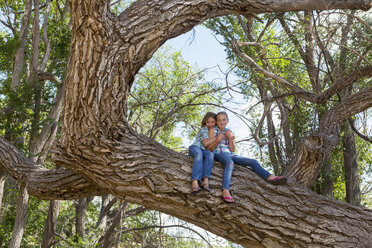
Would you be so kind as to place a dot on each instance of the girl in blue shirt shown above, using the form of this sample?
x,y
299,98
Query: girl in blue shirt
x,y
203,159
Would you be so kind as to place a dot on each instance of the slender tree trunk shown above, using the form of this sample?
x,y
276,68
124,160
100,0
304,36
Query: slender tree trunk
x,y
270,131
21,218
106,240
37,86
50,224
80,216
2,184
353,194
102,221
271,135
18,63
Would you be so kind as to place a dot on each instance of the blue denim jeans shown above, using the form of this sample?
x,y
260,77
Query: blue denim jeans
x,y
203,162
229,161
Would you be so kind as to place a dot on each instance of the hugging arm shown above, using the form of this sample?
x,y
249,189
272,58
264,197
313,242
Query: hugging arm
x,y
207,142
211,146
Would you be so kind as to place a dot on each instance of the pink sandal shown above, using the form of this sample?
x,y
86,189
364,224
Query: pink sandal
x,y
278,180
228,199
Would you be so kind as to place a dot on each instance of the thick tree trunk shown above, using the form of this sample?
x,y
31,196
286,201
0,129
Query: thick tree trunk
x,y
21,218
50,224
313,151
353,194
104,155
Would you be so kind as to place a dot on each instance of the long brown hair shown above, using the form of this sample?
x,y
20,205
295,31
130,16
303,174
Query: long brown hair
x,y
207,116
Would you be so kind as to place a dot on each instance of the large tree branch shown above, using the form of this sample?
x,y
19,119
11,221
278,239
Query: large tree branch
x,y
129,40
45,184
267,215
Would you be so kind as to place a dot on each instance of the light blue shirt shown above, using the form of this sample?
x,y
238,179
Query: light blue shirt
x,y
202,134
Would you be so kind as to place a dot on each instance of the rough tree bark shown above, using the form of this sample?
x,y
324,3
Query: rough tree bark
x,y
102,154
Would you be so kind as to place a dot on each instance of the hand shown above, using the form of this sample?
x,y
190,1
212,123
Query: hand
x,y
221,136
229,135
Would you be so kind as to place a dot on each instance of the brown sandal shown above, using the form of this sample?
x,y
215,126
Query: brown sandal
x,y
195,190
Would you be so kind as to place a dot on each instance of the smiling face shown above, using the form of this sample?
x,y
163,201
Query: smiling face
x,y
210,123
222,121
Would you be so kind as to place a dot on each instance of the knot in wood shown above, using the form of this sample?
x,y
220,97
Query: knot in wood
x,y
313,142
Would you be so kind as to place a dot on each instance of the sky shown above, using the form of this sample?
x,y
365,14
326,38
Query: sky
x,y
200,46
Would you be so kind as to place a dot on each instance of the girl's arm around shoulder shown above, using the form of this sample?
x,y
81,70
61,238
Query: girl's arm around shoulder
x,y
209,138
215,142
211,132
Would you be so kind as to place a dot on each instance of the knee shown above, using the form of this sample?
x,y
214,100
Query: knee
x,y
230,164
198,154
209,155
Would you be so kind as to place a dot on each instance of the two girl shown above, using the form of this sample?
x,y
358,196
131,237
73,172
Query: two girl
x,y
220,140
224,147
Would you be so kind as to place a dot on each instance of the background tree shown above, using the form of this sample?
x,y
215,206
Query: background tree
x,y
167,92
263,60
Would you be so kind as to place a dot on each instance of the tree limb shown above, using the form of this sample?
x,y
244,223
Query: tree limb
x,y
365,137
45,184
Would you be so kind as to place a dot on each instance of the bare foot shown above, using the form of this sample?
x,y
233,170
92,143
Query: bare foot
x,y
195,186
205,184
